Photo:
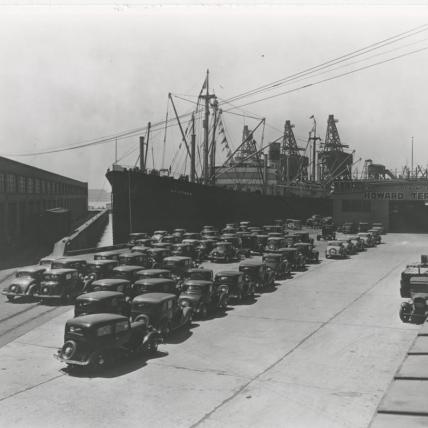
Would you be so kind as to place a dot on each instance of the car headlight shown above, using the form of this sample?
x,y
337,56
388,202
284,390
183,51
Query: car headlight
x,y
332,251
184,303
45,290
13,288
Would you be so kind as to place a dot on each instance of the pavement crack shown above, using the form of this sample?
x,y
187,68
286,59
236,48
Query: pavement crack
x,y
31,387
301,342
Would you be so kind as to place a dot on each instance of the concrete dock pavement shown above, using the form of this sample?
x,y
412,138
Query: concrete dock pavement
x,y
319,351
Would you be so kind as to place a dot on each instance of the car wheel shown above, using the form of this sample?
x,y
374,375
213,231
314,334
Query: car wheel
x,y
10,298
204,311
152,347
224,303
68,349
405,311
165,329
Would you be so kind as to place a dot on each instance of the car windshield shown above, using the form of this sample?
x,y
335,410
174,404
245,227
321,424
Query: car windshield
x,y
23,274
198,275
194,289
50,277
171,263
147,307
337,243
271,259
223,246
58,265
226,279
119,274
93,268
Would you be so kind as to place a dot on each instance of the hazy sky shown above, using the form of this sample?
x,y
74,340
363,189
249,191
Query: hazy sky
x,y
70,75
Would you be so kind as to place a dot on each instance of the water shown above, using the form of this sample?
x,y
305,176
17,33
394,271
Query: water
x,y
107,236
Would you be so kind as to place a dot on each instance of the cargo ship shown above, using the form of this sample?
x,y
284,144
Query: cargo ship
x,y
254,183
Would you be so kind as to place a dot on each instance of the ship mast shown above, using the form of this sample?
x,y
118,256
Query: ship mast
x,y
206,97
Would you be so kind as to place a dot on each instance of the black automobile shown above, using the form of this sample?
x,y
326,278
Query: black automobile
x,y
183,249
25,284
223,252
274,243
111,284
261,241
303,237
295,257
411,270
199,273
59,285
177,265
99,339
415,310
309,252
162,310
278,264
155,285
127,272
135,236
133,258
153,273
108,255
71,263
98,269
99,302
256,274
328,233
156,256
204,248
203,297
232,283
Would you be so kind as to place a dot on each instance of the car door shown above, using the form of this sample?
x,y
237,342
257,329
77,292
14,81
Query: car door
x,y
121,332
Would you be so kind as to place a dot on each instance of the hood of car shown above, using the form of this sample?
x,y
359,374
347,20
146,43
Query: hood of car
x,y
25,281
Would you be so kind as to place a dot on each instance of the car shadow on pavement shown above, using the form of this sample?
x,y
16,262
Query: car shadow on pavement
x,y
180,335
119,368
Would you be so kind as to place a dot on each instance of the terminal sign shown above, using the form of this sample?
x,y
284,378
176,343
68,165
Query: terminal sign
x,y
420,196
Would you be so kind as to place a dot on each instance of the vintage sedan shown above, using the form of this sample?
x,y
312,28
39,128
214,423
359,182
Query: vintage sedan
x,y
153,273
275,243
328,233
199,273
71,263
412,270
101,302
164,245
415,310
59,284
163,311
108,255
177,265
376,235
98,269
203,297
111,284
204,248
294,256
303,237
232,283
156,256
335,249
223,252
348,246
183,249
367,239
278,264
128,272
99,339
309,251
146,242
356,242
25,284
133,258
135,236
155,285
256,274
158,235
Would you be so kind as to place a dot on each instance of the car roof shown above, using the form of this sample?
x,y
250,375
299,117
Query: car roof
x,y
110,281
278,255
288,249
109,253
154,297
250,263
197,282
89,320
228,273
131,254
59,271
70,259
200,270
127,268
155,281
35,268
153,271
176,258
98,295
101,262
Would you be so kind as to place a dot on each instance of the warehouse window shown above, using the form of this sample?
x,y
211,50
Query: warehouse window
x,y
37,185
11,183
2,186
21,184
30,185
355,205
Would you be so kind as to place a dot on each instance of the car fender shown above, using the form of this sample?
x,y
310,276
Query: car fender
x,y
187,313
153,335
31,288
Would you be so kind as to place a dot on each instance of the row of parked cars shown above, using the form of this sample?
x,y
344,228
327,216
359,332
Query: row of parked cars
x,y
124,303
414,287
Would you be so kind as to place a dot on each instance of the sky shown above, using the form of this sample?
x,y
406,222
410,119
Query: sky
x,y
72,74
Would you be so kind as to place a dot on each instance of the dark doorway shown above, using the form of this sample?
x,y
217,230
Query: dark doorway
x,y
408,216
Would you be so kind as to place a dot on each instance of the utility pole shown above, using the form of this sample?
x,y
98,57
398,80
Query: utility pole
x,y
142,156
206,98
149,125
411,169
192,150
314,139
115,151
213,146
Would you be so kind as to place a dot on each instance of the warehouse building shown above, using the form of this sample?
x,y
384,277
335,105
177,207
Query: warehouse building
x,y
400,204
32,200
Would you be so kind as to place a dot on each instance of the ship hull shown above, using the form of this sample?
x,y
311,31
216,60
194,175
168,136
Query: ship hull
x,y
143,203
